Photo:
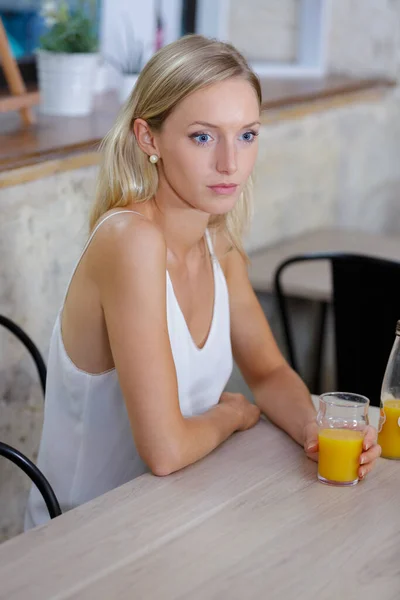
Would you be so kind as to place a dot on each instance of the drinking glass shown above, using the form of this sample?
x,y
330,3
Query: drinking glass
x,y
342,419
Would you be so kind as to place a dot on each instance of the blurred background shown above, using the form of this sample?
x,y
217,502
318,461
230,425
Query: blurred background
x,y
328,158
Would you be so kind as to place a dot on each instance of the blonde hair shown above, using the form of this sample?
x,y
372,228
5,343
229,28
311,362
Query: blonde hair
x,y
174,72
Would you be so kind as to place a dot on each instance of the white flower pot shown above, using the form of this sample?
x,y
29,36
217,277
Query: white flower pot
x,y
66,82
126,86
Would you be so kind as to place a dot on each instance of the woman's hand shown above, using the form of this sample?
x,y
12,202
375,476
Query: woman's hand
x,y
249,414
371,449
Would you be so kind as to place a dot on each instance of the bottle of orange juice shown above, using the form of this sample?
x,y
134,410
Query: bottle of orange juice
x,y
389,423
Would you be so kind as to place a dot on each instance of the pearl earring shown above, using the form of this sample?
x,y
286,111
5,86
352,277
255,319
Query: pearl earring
x,y
153,159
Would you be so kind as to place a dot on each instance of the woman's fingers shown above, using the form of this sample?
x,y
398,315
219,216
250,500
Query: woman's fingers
x,y
371,451
311,441
371,455
365,469
370,437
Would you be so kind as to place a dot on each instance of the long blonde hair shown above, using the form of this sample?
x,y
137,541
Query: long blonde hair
x,y
174,72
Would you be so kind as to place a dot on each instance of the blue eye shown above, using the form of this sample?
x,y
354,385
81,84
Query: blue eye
x,y
201,138
249,136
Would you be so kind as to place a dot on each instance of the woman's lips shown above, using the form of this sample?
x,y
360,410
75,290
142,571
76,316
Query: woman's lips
x,y
224,189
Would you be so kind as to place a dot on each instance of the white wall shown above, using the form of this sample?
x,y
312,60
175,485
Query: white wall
x,y
172,16
265,30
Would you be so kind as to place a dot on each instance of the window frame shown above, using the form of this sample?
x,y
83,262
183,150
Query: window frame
x,y
212,20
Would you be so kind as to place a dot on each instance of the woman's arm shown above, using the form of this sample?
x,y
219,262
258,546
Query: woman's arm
x,y
278,390
129,268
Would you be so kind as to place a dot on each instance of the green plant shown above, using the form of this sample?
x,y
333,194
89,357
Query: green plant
x,y
70,30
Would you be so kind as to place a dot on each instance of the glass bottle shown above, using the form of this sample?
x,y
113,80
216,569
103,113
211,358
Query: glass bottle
x,y
389,422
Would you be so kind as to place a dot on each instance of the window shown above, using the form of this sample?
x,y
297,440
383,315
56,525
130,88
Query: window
x,y
280,38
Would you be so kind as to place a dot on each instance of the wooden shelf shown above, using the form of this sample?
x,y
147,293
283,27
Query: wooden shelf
x,y
52,138
282,93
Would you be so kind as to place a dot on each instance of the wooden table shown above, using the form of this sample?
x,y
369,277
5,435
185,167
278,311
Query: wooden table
x,y
250,521
312,280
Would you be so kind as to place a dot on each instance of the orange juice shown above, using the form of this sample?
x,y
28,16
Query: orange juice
x,y
389,437
339,455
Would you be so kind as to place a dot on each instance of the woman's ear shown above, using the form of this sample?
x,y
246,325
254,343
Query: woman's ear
x,y
145,137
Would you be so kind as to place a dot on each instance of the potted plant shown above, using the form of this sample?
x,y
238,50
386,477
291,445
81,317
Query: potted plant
x,y
67,58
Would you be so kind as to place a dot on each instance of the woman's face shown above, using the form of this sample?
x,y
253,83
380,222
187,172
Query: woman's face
x,y
208,145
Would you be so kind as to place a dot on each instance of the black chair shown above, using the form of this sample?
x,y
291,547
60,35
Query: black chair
x,y
29,345
35,475
15,455
366,307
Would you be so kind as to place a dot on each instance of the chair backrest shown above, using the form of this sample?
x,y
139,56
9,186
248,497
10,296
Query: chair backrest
x,y
29,345
366,304
35,475
11,453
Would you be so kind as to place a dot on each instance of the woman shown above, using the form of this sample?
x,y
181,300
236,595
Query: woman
x,y
142,348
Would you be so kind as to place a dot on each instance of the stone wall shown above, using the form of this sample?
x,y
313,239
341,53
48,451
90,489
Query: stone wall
x,y
364,38
338,166
43,226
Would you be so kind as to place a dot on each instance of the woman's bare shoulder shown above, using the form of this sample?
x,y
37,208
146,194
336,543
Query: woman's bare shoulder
x,y
126,239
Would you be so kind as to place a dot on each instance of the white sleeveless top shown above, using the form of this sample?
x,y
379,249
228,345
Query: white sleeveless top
x,y
87,447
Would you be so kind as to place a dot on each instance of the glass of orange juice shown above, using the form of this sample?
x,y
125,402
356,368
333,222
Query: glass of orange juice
x,y
342,419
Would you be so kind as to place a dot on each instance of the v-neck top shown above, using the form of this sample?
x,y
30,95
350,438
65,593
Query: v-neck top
x,y
87,446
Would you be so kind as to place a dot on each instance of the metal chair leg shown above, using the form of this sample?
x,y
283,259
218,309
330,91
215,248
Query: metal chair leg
x,y
317,376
